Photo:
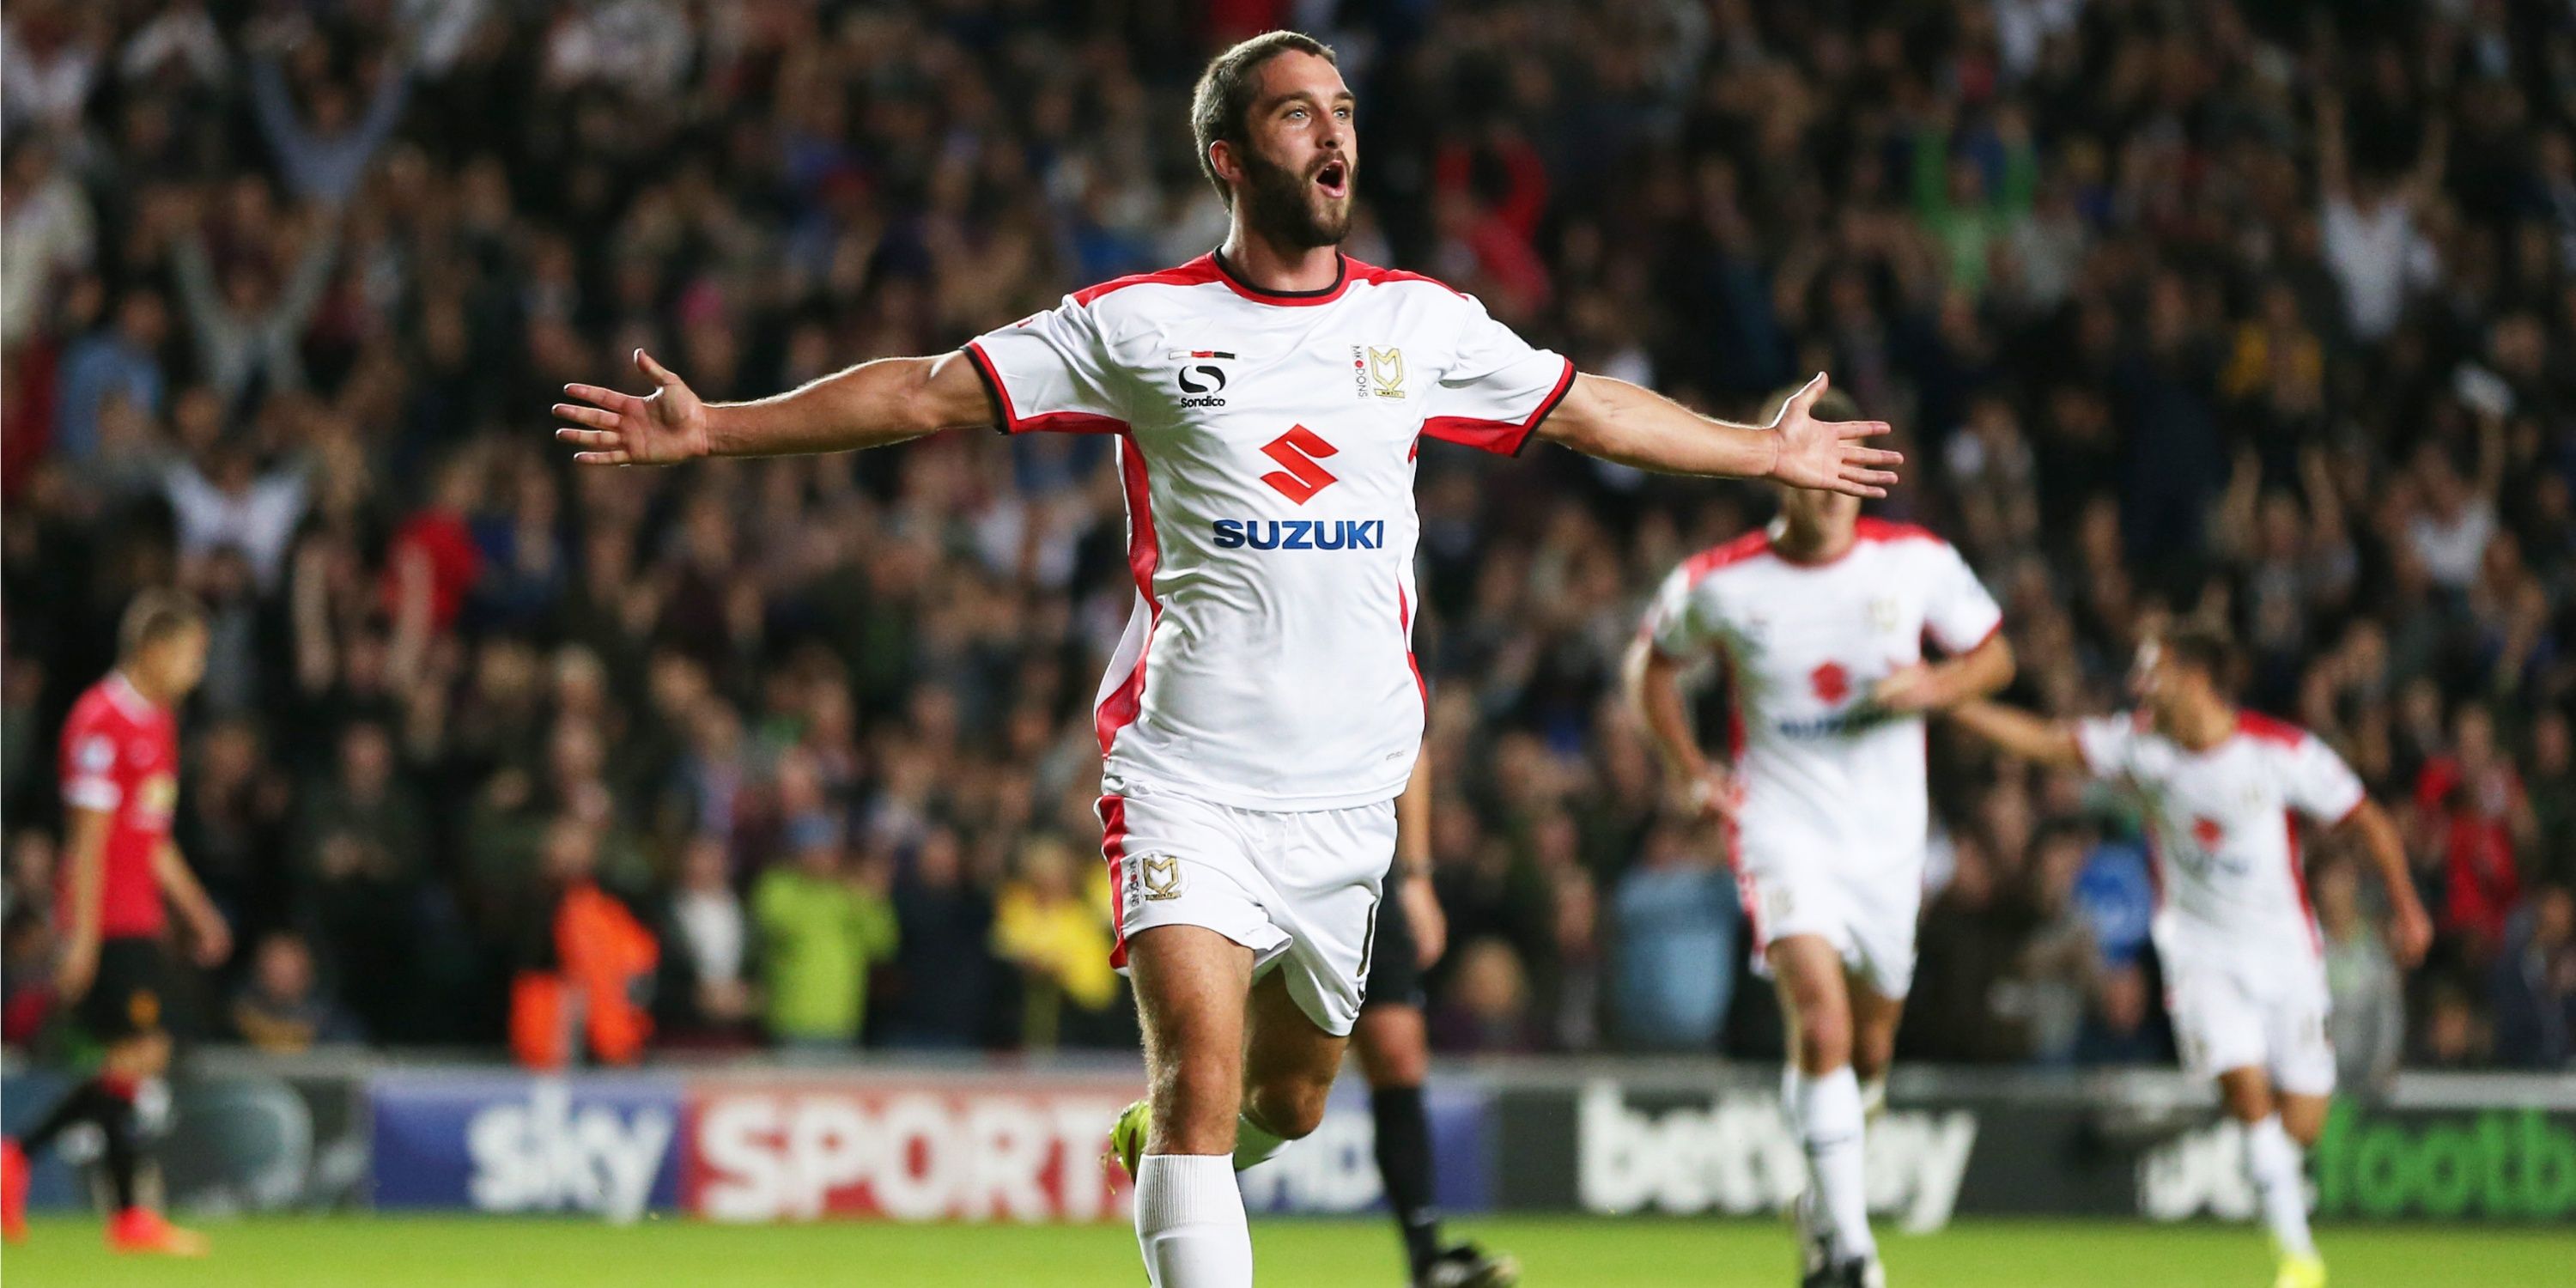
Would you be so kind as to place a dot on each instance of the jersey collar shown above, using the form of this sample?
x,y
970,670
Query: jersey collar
x,y
122,692
1234,282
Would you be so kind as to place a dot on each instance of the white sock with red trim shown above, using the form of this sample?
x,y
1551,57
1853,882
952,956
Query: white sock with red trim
x,y
1189,1222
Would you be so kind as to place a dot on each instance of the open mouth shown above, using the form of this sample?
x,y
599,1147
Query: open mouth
x,y
1335,179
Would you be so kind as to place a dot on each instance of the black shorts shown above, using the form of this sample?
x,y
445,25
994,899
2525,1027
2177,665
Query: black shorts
x,y
1395,971
126,998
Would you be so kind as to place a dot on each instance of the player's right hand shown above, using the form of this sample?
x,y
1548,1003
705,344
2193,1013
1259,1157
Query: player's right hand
x,y
664,427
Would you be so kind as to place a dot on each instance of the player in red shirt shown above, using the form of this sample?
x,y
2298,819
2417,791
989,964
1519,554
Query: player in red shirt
x,y
120,765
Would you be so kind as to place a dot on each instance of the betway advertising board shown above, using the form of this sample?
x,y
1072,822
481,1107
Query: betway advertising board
x,y
926,1144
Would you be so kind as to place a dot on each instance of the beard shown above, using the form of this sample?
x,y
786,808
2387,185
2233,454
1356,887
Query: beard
x,y
1287,208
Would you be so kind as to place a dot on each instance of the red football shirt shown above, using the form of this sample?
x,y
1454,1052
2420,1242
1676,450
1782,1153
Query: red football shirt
x,y
121,756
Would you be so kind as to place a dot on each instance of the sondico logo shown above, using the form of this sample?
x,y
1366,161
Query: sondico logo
x,y
1202,381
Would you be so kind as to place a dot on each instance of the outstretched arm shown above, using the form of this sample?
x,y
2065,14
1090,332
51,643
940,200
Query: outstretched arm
x,y
1621,422
2410,932
870,405
2019,733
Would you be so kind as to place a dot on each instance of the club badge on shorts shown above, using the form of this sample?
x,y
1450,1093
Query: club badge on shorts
x,y
1159,876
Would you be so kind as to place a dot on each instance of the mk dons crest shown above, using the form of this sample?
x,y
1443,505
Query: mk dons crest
x,y
1386,372
1883,614
1159,876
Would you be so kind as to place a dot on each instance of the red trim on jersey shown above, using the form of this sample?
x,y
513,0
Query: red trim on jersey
x,y
1501,437
1113,848
1374,275
1053,422
1404,623
1197,272
1144,554
2263,728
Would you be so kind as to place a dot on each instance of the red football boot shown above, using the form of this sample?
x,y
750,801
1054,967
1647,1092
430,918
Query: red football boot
x,y
142,1230
13,1192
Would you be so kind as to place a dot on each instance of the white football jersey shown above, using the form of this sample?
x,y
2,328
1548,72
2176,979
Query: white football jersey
x,y
2222,826
1827,777
1267,444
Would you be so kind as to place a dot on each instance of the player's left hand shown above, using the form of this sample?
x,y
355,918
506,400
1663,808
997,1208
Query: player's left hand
x,y
1430,924
2410,933
1827,454
1911,688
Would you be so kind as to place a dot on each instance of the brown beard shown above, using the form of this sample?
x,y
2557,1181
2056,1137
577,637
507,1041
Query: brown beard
x,y
1280,204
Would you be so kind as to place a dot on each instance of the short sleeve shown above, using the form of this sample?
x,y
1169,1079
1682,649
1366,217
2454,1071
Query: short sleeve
x,y
1498,386
2319,784
1957,611
1675,623
2108,743
89,771
1050,373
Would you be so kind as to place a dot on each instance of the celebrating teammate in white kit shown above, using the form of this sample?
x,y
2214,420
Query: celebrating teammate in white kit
x,y
2244,966
1818,623
1264,711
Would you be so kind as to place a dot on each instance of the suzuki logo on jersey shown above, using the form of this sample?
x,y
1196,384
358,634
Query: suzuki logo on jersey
x,y
1301,534
1201,382
1299,478
1831,682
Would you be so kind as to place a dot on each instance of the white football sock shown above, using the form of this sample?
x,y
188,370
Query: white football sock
x,y
1253,1144
2278,1168
1189,1222
1829,1125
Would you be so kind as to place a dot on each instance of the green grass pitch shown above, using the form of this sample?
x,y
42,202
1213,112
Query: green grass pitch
x,y
404,1252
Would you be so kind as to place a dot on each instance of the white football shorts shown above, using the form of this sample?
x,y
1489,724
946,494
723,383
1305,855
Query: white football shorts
x,y
2232,1012
1867,913
1300,888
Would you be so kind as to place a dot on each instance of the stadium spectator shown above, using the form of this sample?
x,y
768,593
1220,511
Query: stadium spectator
x,y
706,996
283,1010
2368,1020
2535,985
824,924
1674,919
1048,922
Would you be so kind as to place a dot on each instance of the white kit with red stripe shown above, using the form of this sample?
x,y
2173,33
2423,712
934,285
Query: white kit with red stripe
x,y
1829,834
2225,827
1263,710
1267,443
2244,971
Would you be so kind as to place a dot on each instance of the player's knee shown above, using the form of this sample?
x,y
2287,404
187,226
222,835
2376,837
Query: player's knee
x,y
1824,1041
1290,1106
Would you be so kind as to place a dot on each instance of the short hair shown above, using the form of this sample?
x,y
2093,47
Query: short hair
x,y
154,616
1223,100
1833,404
2203,649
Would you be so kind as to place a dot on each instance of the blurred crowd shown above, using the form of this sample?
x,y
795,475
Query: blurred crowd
x,y
2248,311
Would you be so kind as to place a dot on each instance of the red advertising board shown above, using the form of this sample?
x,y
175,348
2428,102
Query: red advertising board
x,y
970,1149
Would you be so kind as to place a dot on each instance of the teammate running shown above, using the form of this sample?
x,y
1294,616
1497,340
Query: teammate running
x,y
1818,623
1263,711
1394,1047
2245,973
120,771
